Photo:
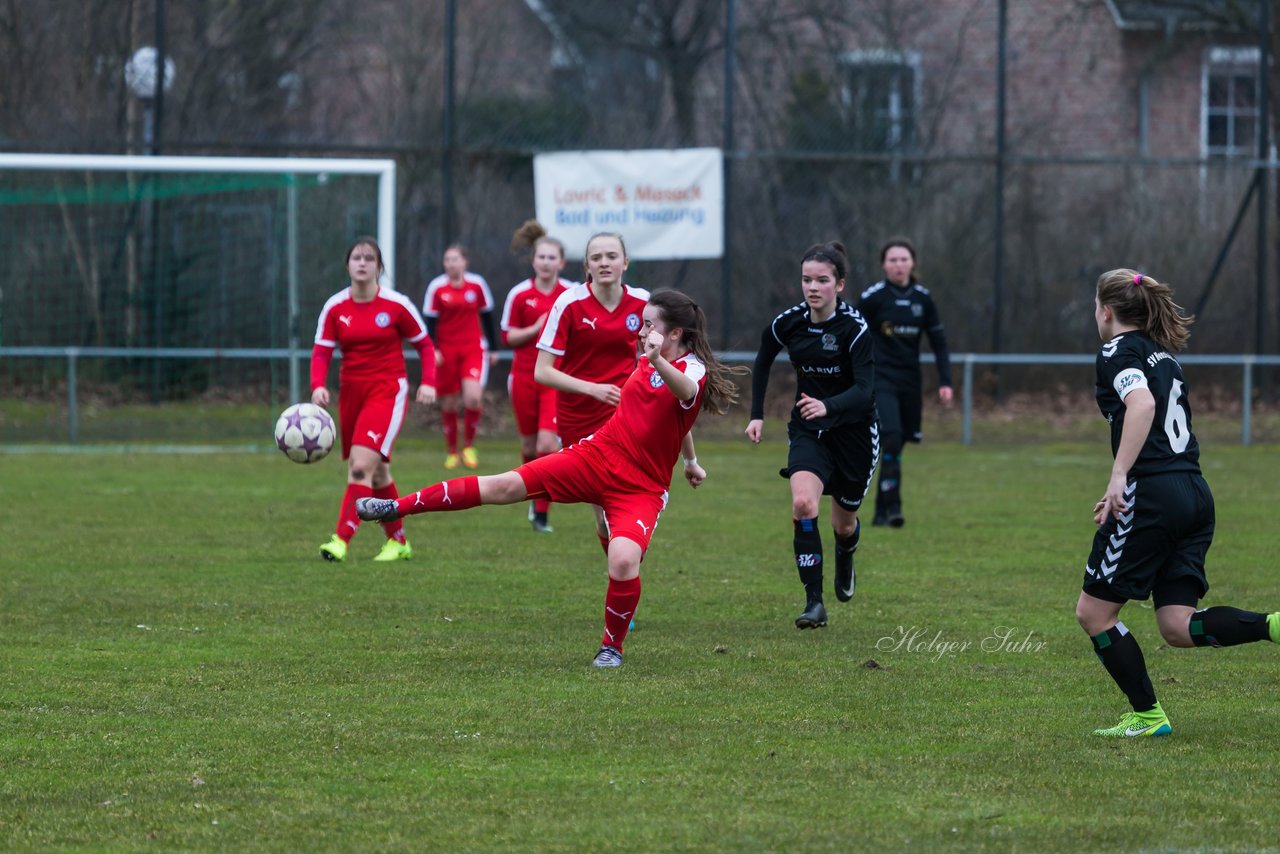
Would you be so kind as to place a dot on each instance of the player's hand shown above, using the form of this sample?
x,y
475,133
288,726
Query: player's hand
x,y
426,395
810,407
1112,503
695,474
606,393
945,394
653,345
493,358
755,430
320,396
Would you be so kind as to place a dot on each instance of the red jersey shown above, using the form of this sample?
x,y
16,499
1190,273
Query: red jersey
x,y
524,305
369,334
642,439
592,344
457,311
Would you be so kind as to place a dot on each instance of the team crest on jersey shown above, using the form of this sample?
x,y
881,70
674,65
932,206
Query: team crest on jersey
x,y
470,297
829,342
383,319
633,322
917,310
655,379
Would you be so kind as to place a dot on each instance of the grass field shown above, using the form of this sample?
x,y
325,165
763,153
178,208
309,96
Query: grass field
x,y
179,670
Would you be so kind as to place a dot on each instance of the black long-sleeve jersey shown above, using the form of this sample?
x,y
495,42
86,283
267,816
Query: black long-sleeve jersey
x,y
1132,360
833,360
898,317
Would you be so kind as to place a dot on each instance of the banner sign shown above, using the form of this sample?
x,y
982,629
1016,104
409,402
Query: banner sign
x,y
665,203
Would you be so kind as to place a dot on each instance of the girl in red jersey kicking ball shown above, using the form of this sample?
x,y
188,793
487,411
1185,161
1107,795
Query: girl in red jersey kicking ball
x,y
624,467
368,322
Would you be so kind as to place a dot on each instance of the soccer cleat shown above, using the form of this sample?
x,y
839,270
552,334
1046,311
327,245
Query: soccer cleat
x,y
531,512
881,519
540,524
1139,725
335,550
470,458
607,657
1273,626
814,616
894,518
394,550
451,461
377,509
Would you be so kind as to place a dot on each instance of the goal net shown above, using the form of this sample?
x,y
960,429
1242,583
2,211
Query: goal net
x,y
170,300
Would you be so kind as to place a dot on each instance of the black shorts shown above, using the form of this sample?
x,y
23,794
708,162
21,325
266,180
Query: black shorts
x,y
1158,546
844,459
900,408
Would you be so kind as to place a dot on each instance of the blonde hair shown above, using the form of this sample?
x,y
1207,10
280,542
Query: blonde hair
x,y
1141,301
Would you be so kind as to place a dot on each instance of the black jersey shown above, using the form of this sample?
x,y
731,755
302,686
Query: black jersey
x,y
1132,360
898,317
833,360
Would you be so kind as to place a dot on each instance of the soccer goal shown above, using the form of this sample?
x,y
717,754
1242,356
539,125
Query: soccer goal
x,y
127,282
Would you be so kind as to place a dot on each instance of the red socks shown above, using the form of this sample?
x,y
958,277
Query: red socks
x,y
470,421
461,493
619,606
348,521
449,423
540,505
394,528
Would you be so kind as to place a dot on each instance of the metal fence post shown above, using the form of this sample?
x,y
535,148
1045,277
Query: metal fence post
x,y
73,426
966,397
1246,403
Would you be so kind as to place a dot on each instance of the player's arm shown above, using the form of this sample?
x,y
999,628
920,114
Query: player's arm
x,y
693,472
770,347
941,354
684,387
857,400
546,373
519,336
321,357
1139,415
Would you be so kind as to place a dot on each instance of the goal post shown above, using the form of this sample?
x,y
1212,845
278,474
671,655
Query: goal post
x,y
151,255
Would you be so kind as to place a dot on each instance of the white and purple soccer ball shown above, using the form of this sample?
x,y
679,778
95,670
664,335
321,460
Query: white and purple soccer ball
x,y
304,432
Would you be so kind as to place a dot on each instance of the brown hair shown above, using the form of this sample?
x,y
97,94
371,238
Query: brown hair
x,y
1143,302
680,311
366,240
832,252
900,243
531,235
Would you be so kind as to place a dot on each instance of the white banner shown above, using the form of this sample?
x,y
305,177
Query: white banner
x,y
665,203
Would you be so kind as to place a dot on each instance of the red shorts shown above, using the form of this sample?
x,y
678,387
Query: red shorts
x,y
534,404
371,413
458,364
582,475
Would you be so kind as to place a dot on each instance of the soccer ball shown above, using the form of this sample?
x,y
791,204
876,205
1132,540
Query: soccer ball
x,y
304,432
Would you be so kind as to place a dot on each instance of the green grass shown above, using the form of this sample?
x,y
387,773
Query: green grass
x,y
179,669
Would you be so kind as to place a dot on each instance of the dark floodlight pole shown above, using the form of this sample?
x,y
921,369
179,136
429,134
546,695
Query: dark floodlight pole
x,y
998,260
726,259
450,85
1263,177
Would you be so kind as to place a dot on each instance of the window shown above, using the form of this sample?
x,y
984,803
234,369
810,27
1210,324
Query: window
x,y
880,98
1229,102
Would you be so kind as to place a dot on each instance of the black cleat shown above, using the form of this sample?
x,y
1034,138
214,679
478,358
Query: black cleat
x,y
880,520
814,616
896,519
540,523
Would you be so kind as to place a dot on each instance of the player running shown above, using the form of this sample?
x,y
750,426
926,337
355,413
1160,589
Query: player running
x,y
833,434
524,314
368,322
1156,517
458,307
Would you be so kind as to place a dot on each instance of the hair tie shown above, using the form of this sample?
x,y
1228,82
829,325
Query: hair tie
x,y
1137,279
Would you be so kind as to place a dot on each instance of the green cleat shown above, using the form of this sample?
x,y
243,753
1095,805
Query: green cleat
x,y
393,550
1273,626
335,550
1139,725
